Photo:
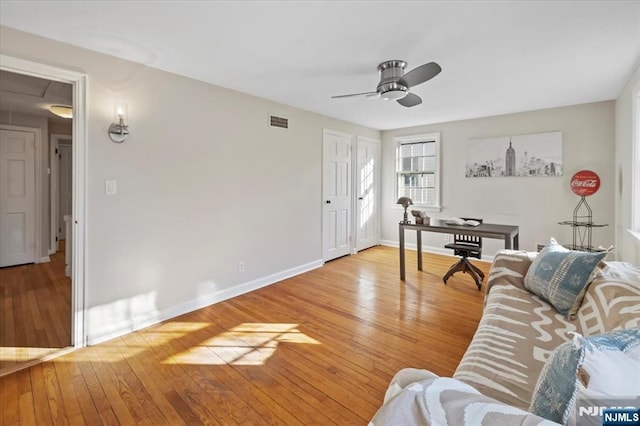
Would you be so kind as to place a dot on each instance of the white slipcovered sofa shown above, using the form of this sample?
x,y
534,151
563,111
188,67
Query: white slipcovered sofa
x,y
495,380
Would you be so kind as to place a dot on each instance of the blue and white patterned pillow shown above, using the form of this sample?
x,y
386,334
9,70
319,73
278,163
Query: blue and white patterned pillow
x,y
609,363
561,276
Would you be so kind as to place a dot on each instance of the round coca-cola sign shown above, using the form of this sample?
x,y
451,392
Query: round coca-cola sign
x,y
585,182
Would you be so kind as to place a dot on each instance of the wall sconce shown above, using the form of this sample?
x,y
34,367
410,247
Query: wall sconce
x,y
405,202
119,130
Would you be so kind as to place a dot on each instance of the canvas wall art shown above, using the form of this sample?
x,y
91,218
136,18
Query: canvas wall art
x,y
538,154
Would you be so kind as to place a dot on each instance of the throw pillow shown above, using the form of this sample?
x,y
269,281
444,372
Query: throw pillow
x,y
561,276
598,369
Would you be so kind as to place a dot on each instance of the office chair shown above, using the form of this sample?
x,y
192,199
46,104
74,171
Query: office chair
x,y
466,246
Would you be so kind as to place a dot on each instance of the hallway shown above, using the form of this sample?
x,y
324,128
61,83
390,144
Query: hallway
x,y
35,314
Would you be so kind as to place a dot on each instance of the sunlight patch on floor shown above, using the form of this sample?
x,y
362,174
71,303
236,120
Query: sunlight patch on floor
x,y
245,344
21,354
135,343
165,333
179,326
105,352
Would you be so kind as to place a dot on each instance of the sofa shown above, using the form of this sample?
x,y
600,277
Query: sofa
x,y
495,380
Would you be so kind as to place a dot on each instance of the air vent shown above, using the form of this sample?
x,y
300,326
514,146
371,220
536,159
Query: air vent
x,y
280,122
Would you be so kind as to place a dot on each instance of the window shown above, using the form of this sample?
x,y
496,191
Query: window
x,y
418,169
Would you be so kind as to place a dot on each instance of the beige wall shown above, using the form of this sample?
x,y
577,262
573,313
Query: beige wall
x,y
60,128
40,122
536,205
628,250
203,183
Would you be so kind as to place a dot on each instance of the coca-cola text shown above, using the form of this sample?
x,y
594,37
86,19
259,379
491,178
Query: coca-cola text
x,y
590,183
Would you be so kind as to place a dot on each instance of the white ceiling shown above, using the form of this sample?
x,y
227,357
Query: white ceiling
x,y
32,95
497,56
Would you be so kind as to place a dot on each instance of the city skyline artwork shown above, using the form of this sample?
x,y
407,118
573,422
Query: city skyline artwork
x,y
537,154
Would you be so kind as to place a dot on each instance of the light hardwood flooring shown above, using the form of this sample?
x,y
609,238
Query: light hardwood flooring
x,y
35,315
318,348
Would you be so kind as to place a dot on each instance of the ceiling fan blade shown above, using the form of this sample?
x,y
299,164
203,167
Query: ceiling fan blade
x,y
410,100
421,74
354,94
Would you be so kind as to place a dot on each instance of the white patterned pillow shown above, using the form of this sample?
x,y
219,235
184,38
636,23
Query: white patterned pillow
x,y
598,369
561,276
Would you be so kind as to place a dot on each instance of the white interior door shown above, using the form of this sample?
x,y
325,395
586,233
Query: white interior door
x,y
367,166
17,197
336,193
64,186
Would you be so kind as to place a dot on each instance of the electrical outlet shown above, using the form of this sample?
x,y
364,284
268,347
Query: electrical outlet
x,y
447,238
241,266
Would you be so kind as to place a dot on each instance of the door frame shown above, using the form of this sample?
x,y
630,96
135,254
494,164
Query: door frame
x,y
53,176
377,171
37,230
79,180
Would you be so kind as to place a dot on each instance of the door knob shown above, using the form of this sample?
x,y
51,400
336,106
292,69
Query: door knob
x,y
359,198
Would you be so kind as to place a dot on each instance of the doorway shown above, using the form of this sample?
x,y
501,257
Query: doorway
x,y
61,186
62,329
350,201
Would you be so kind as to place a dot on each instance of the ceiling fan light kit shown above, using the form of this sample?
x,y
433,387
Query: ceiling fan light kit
x,y
396,85
393,94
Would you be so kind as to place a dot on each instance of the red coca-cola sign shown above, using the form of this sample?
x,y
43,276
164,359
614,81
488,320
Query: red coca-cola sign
x,y
585,182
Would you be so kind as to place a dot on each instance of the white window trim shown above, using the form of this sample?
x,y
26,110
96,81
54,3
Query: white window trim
x,y
635,174
422,137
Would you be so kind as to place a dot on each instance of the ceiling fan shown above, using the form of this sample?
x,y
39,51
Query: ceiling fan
x,y
396,85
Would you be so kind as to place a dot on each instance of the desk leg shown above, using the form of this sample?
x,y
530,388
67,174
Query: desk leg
x,y
401,241
419,241
507,242
516,243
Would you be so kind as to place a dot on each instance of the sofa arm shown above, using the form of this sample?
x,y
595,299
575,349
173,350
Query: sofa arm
x,y
433,400
509,267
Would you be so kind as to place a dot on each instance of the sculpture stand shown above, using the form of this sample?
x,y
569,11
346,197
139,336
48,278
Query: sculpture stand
x,y
582,225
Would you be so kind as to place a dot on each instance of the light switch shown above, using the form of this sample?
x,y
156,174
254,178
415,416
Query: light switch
x,y
110,187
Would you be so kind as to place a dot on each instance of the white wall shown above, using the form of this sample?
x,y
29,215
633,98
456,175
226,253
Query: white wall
x,y
203,183
627,248
40,122
536,205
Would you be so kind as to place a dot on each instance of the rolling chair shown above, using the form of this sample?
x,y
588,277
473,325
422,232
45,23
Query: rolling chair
x,y
466,246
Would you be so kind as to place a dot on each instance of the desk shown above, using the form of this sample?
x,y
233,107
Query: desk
x,y
507,233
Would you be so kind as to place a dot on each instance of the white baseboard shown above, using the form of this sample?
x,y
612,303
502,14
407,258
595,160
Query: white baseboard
x,y
429,249
44,259
132,324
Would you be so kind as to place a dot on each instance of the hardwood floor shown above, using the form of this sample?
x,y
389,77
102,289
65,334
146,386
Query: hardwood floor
x,y
318,348
36,312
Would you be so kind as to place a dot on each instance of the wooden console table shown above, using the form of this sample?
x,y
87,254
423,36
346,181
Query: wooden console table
x,y
508,233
